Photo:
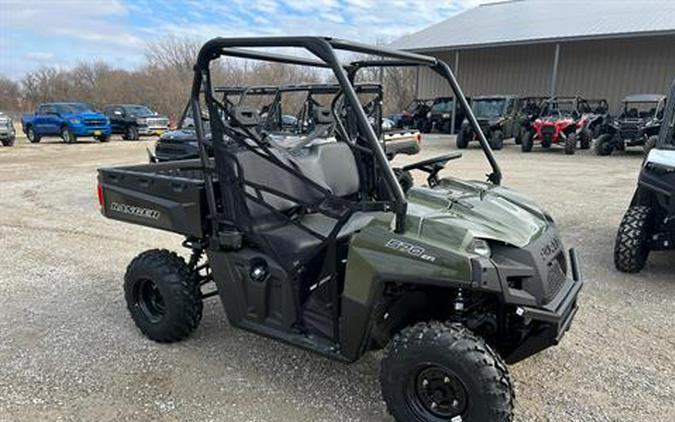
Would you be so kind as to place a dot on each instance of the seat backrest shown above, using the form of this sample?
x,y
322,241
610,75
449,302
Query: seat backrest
x,y
261,171
331,164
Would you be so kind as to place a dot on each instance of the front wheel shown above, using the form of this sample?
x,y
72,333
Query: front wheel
x,y
497,140
67,135
33,137
103,138
631,248
162,296
435,371
570,145
130,133
585,139
604,145
527,142
462,139
8,142
650,144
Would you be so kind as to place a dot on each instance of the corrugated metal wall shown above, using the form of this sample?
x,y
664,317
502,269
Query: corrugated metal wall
x,y
608,69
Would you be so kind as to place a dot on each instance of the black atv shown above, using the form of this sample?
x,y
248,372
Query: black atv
x,y
649,223
440,116
637,125
499,116
595,113
531,109
413,116
320,248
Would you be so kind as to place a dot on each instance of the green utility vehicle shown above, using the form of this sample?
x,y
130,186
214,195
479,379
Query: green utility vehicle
x,y
320,247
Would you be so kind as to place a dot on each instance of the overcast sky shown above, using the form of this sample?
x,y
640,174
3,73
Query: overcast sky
x,y
63,32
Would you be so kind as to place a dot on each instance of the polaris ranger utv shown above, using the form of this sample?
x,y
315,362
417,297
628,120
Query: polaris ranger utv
x,y
637,125
320,247
499,118
649,223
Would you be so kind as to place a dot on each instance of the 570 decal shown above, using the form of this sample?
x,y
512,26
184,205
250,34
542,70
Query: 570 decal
x,y
410,249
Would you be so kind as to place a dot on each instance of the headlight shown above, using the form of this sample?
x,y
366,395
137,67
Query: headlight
x,y
446,115
480,247
429,115
75,121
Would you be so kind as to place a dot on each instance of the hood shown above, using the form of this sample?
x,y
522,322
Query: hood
x,y
456,211
179,136
84,115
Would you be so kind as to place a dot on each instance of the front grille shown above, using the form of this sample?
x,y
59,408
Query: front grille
x,y
556,279
628,131
94,122
158,122
547,131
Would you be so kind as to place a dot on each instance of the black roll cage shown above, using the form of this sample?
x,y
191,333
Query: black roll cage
x,y
324,49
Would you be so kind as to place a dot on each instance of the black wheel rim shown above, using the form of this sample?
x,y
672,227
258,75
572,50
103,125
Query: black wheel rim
x,y
149,300
436,393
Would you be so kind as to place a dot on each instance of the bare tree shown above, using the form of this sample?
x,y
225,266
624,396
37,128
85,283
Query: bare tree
x,y
165,79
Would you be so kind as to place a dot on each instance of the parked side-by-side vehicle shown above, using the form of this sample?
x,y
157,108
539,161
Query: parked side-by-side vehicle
x,y
7,131
133,121
440,116
649,222
320,247
563,122
637,125
69,121
499,117
413,116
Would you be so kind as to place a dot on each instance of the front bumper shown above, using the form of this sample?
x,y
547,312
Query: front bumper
x,y
7,134
152,130
549,323
81,130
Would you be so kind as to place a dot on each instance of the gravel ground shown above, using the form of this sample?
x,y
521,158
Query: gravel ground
x,y
69,351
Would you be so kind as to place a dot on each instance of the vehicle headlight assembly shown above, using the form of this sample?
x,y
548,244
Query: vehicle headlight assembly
x,y
75,121
429,115
480,247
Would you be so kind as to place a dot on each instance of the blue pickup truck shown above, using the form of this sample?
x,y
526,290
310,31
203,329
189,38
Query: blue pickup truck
x,y
67,120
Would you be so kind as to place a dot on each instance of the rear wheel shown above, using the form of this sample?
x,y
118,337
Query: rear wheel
x,y
436,372
67,135
631,248
497,140
604,145
650,143
571,145
162,296
130,133
32,136
527,142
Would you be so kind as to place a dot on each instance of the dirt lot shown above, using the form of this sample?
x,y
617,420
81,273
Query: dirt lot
x,y
70,352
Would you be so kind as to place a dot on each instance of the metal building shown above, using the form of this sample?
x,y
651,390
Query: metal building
x,y
594,48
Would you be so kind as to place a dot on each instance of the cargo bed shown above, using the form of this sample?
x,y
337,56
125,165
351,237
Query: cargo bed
x,y
169,196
